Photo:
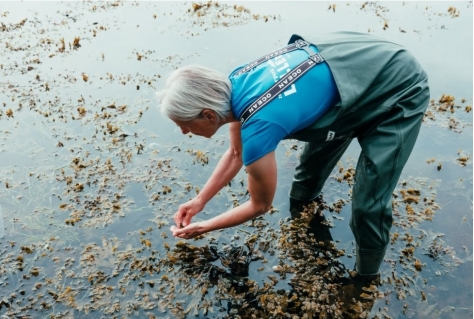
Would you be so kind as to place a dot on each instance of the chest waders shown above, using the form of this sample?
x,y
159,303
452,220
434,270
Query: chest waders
x,y
384,94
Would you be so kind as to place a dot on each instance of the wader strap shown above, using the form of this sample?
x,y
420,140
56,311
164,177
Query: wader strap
x,y
298,44
286,81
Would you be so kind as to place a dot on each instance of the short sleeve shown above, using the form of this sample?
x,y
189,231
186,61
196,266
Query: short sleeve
x,y
259,138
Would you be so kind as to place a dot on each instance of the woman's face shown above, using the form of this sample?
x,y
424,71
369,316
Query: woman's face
x,y
206,125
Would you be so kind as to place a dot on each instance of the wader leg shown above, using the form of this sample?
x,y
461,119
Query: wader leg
x,y
385,150
317,161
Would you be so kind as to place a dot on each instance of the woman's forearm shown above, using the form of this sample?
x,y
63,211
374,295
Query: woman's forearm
x,y
228,166
236,216
262,178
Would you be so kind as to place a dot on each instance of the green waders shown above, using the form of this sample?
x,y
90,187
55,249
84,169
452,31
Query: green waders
x,y
384,94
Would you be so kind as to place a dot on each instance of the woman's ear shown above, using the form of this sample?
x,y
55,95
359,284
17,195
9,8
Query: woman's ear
x,y
209,114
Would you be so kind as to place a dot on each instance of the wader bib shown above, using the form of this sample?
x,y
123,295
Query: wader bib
x,y
384,94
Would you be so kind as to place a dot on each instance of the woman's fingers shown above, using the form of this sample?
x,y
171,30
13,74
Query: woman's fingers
x,y
181,232
179,218
186,220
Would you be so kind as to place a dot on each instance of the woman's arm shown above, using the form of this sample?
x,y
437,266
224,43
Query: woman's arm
x,y
228,166
262,177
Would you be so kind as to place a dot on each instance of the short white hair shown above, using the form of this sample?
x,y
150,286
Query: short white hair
x,y
193,88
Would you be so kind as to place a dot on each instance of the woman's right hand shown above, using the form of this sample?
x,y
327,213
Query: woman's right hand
x,y
187,211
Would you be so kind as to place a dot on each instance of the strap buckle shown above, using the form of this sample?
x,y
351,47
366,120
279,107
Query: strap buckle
x,y
316,57
301,43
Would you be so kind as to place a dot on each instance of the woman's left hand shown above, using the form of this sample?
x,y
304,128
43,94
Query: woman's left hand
x,y
188,232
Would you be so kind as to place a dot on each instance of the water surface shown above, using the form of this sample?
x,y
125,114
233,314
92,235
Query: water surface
x,y
91,174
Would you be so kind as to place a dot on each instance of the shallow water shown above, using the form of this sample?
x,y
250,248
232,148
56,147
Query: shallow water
x,y
79,192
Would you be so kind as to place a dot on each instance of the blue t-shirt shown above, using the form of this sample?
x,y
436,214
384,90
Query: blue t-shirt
x,y
296,108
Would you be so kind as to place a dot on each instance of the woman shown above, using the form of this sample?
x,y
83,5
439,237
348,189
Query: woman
x,y
353,86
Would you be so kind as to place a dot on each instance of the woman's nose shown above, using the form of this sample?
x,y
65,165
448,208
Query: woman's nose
x,y
184,130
